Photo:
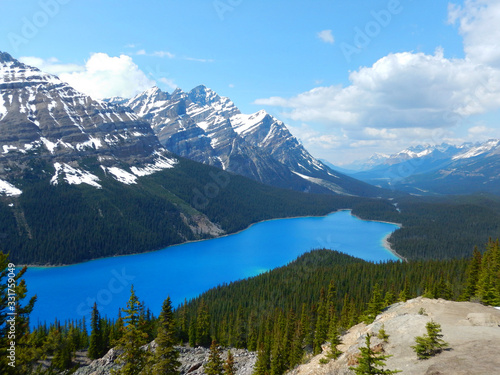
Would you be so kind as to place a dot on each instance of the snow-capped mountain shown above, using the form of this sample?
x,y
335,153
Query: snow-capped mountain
x,y
445,168
203,126
43,116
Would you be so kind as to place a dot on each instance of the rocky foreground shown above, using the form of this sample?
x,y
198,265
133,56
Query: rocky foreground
x,y
192,362
471,330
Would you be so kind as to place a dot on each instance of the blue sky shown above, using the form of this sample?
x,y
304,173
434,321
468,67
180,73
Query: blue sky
x,y
348,78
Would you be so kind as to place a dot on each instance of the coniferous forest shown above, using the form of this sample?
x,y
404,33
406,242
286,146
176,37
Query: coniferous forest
x,y
51,224
284,314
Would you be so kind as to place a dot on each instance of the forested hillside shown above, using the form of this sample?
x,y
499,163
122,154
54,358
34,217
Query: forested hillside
x,y
437,228
65,224
283,314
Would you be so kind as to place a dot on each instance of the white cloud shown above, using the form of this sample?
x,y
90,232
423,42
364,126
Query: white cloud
x,y
51,65
326,36
408,98
102,76
400,90
142,52
480,130
478,24
105,76
168,82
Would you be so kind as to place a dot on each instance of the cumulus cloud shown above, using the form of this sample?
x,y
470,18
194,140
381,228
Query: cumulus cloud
x,y
326,36
51,65
102,76
400,90
408,95
478,24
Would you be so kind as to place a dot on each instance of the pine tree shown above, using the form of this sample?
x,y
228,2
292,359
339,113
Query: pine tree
x,y
165,360
430,344
263,363
321,332
192,333
96,346
375,305
488,286
229,366
203,325
371,363
404,295
133,358
240,333
214,366
10,303
382,334
335,340
473,269
278,352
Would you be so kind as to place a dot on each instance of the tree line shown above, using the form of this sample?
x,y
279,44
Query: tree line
x,y
282,314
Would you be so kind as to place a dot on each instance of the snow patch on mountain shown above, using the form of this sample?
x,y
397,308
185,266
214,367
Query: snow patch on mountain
x,y
161,162
121,175
8,189
479,150
74,176
243,124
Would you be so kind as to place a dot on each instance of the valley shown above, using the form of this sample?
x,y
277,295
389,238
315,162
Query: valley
x,y
118,205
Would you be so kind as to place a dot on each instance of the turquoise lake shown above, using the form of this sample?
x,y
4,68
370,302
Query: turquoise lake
x,y
185,271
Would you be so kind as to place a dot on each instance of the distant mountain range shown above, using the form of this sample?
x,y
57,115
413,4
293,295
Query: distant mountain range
x,y
82,178
205,127
441,169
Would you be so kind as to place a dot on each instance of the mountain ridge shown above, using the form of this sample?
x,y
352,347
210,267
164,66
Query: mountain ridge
x,y
439,169
209,128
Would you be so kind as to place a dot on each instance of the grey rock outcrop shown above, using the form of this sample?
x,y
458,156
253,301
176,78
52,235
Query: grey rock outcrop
x,y
471,330
192,361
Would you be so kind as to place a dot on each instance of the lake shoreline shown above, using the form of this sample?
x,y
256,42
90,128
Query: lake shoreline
x,y
385,242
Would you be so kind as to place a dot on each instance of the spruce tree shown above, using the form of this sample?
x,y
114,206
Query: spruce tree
x,y
321,332
472,272
335,340
229,366
96,335
203,325
166,357
375,305
133,358
488,286
214,366
382,334
263,363
13,291
371,363
430,344
240,332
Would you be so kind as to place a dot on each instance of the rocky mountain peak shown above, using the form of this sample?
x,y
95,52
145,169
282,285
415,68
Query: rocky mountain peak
x,y
202,95
5,57
44,118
